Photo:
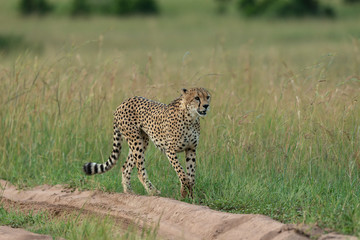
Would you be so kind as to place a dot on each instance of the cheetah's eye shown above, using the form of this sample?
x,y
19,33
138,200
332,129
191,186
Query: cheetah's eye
x,y
208,97
197,98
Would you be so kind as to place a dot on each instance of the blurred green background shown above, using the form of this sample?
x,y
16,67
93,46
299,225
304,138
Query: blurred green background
x,y
175,27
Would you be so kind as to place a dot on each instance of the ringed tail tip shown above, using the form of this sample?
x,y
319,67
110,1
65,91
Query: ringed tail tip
x,y
88,168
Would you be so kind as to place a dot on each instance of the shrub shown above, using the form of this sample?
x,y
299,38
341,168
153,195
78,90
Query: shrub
x,y
126,7
123,7
352,1
252,7
14,43
146,7
9,42
40,7
80,7
284,8
117,7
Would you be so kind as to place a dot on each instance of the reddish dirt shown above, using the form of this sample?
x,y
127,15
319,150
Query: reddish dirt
x,y
174,219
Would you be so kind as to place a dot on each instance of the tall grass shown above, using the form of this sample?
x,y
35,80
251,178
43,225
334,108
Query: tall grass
x,y
279,141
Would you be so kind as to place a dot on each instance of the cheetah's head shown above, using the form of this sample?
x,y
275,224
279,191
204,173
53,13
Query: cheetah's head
x,y
196,101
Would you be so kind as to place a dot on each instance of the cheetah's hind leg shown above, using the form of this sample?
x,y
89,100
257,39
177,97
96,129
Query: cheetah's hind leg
x,y
126,173
139,147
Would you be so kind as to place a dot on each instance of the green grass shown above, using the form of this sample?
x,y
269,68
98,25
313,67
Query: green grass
x,y
73,226
282,138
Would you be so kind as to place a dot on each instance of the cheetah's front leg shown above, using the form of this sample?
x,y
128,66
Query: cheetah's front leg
x,y
185,184
191,166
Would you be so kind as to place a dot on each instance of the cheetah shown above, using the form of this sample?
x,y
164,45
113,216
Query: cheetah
x,y
173,128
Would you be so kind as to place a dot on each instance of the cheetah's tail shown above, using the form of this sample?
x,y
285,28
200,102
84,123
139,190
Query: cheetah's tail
x,y
95,168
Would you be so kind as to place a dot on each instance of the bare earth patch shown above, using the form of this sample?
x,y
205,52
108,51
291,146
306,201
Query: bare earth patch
x,y
8,233
174,219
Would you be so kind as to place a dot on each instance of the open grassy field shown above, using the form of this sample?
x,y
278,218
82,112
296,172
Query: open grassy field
x,y
283,134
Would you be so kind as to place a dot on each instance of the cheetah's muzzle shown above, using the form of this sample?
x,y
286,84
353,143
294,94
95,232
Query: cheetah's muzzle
x,y
201,113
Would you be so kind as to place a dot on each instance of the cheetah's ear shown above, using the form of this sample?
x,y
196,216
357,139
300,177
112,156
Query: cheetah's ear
x,y
184,90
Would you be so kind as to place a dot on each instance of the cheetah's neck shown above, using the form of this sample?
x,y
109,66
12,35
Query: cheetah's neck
x,y
179,106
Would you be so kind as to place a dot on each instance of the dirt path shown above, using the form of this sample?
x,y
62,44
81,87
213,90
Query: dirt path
x,y
177,220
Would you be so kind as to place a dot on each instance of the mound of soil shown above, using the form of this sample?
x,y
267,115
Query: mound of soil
x,y
173,219
8,233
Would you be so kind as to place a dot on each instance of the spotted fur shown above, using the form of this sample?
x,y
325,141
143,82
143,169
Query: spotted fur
x,y
173,128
